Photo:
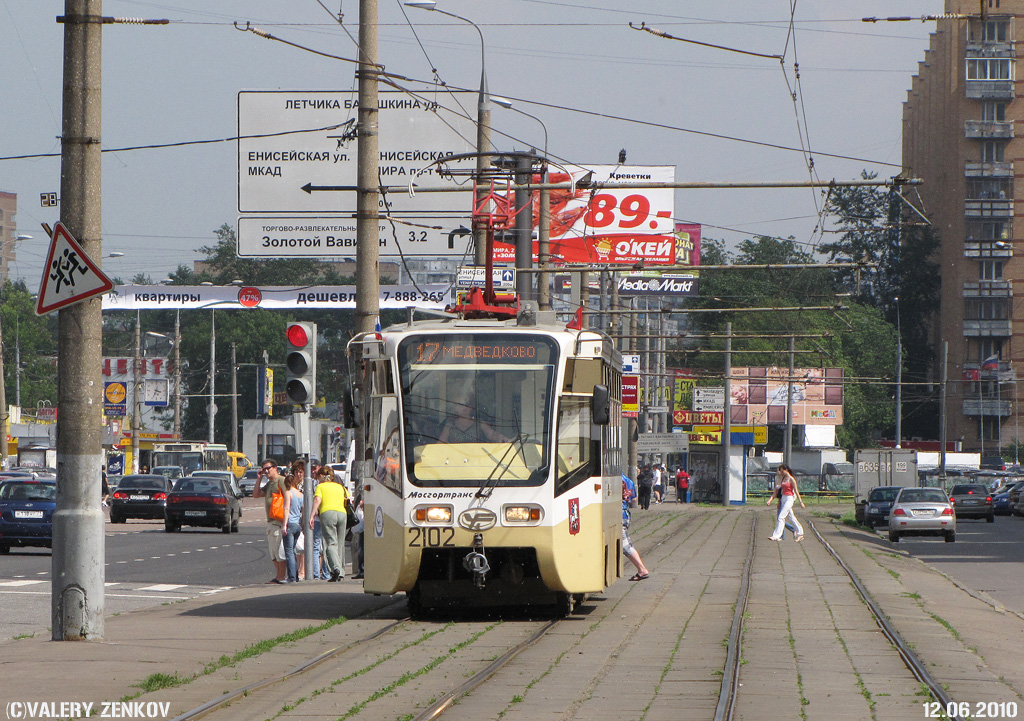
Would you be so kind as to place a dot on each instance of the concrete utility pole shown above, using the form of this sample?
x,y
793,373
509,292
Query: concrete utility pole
x,y
367,209
3,408
367,159
77,597
136,391
727,419
211,407
234,399
524,226
177,374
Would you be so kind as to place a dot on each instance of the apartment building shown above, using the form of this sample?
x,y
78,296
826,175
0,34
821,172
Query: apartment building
x,y
959,137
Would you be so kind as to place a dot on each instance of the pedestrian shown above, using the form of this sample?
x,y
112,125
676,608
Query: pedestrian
x,y
105,489
357,541
628,550
144,470
329,506
319,557
682,485
269,482
645,484
788,494
293,519
659,482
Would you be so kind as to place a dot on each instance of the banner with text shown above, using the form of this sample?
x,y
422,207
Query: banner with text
x,y
143,297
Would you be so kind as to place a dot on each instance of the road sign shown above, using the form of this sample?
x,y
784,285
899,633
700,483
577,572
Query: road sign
x,y
630,363
297,151
69,275
657,409
663,443
709,399
474,276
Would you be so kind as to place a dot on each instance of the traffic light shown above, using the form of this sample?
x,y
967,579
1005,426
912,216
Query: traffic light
x,y
300,362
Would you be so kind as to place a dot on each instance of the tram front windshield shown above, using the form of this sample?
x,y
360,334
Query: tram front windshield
x,y
477,408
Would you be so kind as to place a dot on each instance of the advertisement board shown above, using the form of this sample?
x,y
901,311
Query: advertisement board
x,y
630,396
598,223
759,395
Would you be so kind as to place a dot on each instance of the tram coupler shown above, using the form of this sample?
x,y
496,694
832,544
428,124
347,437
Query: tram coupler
x,y
476,562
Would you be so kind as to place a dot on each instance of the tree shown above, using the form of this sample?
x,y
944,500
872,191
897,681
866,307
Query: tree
x,y
857,339
32,337
903,283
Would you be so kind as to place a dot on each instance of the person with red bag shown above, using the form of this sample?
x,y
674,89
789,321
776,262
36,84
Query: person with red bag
x,y
269,483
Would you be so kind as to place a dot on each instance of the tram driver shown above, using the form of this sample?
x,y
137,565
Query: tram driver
x,y
462,425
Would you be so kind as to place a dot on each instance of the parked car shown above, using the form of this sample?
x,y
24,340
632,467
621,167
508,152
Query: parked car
x,y
993,463
1018,510
170,472
139,496
248,481
1014,497
972,500
203,501
26,513
1001,500
227,476
922,512
876,512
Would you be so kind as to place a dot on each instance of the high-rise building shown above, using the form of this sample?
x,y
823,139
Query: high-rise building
x,y
8,232
958,136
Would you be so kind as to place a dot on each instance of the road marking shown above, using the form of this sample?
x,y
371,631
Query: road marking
x,y
27,582
162,587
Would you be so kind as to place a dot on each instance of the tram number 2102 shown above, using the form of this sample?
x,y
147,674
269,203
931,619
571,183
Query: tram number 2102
x,y
431,537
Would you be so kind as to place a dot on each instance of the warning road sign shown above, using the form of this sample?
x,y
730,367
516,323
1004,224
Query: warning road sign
x,y
69,275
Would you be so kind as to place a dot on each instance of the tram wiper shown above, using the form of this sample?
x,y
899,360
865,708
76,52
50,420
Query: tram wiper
x,y
491,483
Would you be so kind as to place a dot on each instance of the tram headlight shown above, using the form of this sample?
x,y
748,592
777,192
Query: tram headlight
x,y
522,514
433,514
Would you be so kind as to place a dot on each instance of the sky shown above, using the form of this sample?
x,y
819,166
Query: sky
x,y
675,103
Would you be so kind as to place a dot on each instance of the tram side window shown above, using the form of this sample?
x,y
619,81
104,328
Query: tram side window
x,y
576,454
387,450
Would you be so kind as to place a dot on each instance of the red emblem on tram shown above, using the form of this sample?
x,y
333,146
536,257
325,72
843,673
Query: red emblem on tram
x,y
574,516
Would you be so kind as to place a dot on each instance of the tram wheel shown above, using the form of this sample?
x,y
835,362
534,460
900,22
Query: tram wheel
x,y
414,602
566,604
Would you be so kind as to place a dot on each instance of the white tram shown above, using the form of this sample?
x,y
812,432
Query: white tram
x,y
492,462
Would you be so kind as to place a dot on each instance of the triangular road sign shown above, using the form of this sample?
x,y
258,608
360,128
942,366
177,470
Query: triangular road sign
x,y
69,275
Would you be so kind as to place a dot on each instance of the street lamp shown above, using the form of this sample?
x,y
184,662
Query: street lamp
x,y
483,127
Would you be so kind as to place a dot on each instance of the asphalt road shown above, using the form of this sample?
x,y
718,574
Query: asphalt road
x,y
144,566
986,557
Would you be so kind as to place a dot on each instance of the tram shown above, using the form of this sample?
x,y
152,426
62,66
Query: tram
x,y
492,461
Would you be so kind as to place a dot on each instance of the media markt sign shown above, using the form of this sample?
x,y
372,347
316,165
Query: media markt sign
x,y
676,286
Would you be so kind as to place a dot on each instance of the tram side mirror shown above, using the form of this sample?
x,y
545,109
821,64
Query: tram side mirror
x,y
350,410
600,406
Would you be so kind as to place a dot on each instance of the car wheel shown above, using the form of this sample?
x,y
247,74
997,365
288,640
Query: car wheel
x,y
894,537
991,519
951,537
5,549
226,528
234,524
170,527
115,518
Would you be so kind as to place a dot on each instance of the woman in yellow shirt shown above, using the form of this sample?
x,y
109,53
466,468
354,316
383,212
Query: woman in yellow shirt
x,y
329,505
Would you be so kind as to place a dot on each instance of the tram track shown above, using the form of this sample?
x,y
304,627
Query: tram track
x,y
692,615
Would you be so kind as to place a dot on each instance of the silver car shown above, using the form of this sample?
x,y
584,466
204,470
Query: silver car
x,y
922,512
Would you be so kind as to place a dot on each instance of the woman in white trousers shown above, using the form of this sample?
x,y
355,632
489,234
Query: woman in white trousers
x,y
788,495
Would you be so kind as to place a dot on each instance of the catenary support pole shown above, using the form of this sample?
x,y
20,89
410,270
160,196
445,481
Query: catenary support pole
x,y
136,391
234,398
211,404
177,374
524,227
942,412
3,410
77,577
788,455
727,418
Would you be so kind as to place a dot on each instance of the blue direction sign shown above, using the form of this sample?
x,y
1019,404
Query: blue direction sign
x,y
474,276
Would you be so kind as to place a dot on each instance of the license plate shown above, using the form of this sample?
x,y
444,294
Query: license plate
x,y
195,513
140,498
924,512
971,502
28,514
